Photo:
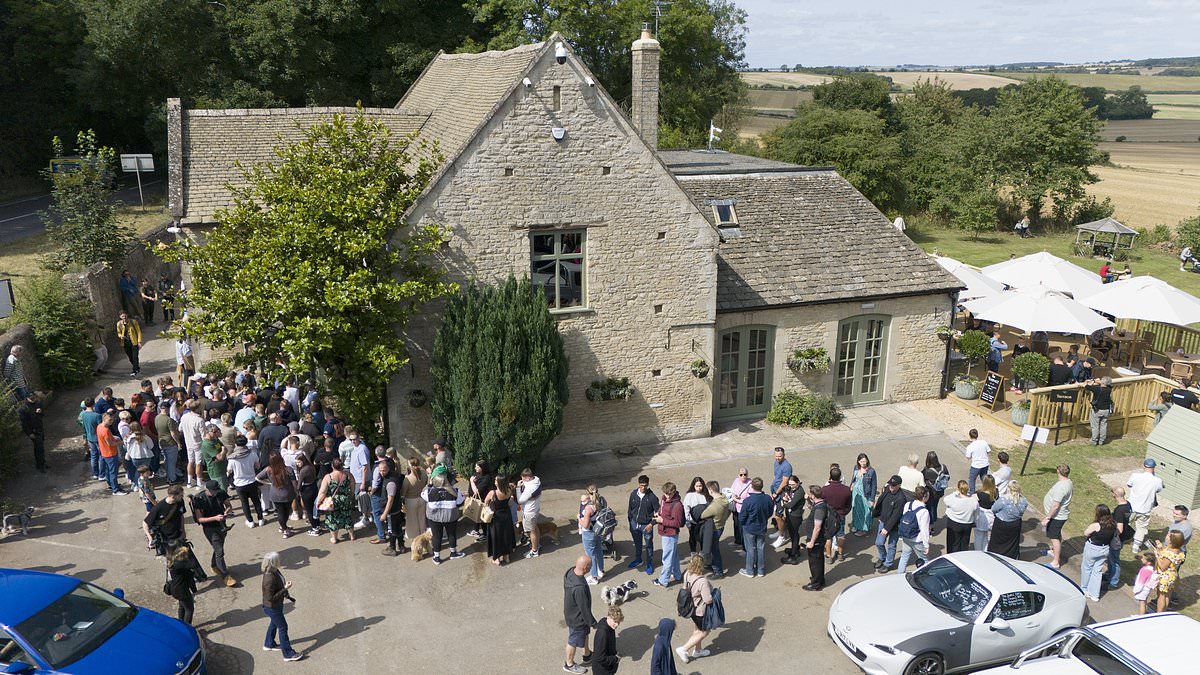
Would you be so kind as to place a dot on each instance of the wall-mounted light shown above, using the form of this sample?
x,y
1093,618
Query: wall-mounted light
x,y
560,53
527,82
558,133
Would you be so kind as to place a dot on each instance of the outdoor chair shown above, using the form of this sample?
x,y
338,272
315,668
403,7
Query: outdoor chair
x,y
1149,367
1181,371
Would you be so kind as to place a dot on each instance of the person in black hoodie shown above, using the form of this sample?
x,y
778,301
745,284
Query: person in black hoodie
x,y
604,646
888,509
577,612
643,504
181,582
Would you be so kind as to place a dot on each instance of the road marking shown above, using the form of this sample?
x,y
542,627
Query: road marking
x,y
90,548
23,215
34,213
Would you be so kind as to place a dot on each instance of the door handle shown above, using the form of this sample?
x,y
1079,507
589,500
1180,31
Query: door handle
x,y
1032,625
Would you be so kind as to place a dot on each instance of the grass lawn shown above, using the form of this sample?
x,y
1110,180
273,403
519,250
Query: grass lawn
x,y
1087,462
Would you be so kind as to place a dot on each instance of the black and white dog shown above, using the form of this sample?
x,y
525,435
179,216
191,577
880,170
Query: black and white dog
x,y
615,595
14,522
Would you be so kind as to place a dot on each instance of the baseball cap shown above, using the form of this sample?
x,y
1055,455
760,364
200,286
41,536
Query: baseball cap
x,y
212,485
1149,463
894,481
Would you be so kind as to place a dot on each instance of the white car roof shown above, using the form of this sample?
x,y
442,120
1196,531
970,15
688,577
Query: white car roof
x,y
1003,575
1164,642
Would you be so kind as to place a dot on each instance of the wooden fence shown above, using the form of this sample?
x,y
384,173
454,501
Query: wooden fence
x,y
1167,338
1130,396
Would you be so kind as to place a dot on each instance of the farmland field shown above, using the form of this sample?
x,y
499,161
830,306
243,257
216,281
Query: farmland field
x,y
1153,131
1151,183
777,99
907,79
784,79
753,126
1149,83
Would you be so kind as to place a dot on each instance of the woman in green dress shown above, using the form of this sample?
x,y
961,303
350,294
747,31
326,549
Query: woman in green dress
x,y
336,501
862,495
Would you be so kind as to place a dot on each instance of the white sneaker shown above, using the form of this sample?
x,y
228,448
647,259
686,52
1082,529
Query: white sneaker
x,y
261,523
777,541
700,654
249,523
591,581
683,654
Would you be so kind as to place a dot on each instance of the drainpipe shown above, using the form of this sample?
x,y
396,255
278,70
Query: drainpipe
x,y
949,345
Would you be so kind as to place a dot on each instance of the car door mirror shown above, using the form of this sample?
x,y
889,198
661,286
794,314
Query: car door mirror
x,y
19,667
998,625
119,592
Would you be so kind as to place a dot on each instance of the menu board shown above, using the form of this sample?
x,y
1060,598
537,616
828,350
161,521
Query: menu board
x,y
993,390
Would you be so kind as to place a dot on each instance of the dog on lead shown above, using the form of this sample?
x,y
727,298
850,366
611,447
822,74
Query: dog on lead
x,y
18,522
615,595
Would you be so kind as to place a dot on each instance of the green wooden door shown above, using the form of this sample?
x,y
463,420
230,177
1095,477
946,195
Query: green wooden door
x,y
861,358
743,372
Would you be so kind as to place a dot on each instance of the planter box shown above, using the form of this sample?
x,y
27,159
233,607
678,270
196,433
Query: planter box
x,y
966,390
1020,416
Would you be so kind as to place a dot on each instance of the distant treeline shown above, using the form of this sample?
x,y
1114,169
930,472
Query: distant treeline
x,y
1130,104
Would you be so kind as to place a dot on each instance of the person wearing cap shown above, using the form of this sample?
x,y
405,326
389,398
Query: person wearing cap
x,y
210,510
887,510
1143,490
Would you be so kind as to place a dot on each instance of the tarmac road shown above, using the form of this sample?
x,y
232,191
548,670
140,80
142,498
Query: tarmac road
x,y
19,218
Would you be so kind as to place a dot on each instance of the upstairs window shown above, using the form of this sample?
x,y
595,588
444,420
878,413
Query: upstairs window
x,y
558,268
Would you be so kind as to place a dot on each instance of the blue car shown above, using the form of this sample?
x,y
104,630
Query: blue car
x,y
52,623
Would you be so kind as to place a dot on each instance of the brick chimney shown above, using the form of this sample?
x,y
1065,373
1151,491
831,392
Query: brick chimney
x,y
645,87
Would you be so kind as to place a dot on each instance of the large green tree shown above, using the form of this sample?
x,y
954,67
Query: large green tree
x,y
500,376
313,265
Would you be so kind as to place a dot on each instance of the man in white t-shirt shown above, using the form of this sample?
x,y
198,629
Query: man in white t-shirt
x,y
977,453
191,427
1143,488
1003,475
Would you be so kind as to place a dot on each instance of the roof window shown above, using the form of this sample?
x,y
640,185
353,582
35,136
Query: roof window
x,y
725,213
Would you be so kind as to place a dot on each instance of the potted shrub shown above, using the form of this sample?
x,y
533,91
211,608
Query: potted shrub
x,y
700,368
966,387
946,332
974,345
611,389
1020,412
809,360
416,398
1030,369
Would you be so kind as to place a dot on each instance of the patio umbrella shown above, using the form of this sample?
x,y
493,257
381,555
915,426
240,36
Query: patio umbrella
x,y
1146,298
1046,269
1038,308
977,285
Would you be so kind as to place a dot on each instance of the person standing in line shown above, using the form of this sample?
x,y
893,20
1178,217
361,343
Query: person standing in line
x,y
1006,528
936,478
914,530
910,475
1120,514
887,510
360,468
168,439
275,590
166,294
755,513
782,471
821,515
794,513
478,485
701,590
1097,538
864,487
529,499
1057,507
593,546
149,296
280,482
697,495
90,420
211,509
337,487
577,611
243,469
605,659
14,372
393,515
31,425
716,513
1102,407
191,427
740,489
1169,557
306,488
443,502
181,581
987,494
501,532
1143,495
129,333
960,518
643,504
977,452
662,658
1004,473
837,497
670,520
414,505
216,459
110,451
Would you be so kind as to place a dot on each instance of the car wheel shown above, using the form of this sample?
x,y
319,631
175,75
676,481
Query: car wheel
x,y
929,663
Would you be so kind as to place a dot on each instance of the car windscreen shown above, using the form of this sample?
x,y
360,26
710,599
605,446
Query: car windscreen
x,y
950,589
75,624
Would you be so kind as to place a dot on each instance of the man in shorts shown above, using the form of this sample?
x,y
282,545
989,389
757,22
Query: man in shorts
x,y
1056,506
191,427
577,611
529,500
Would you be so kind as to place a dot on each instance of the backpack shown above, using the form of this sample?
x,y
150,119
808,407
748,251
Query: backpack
x,y
604,521
909,528
942,481
684,603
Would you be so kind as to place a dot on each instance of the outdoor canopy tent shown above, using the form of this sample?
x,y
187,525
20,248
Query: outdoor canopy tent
x,y
1146,298
1103,237
1045,269
1038,308
977,285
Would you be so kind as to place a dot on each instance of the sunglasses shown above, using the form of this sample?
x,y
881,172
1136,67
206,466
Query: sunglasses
x,y
741,474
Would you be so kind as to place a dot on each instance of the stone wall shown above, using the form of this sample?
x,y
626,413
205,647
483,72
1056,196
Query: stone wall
x,y
915,355
650,259
22,334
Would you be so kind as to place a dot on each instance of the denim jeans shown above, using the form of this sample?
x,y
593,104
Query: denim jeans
x,y
278,624
593,546
908,548
94,458
642,539
377,505
886,545
756,562
172,458
1114,567
1092,568
670,561
110,472
973,475
717,565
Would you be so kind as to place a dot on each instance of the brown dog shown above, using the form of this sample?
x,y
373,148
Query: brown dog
x,y
422,546
547,529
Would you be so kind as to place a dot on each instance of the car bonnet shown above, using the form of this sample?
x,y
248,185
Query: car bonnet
x,y
887,610
156,643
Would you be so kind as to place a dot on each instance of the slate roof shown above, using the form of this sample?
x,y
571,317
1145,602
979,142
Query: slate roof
x,y
454,97
808,237
704,162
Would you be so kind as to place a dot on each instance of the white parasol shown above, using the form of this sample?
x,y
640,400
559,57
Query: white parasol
x,y
977,285
1047,270
1038,308
1146,298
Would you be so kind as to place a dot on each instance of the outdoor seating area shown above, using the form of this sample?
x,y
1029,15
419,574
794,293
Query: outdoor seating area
x,y
1136,331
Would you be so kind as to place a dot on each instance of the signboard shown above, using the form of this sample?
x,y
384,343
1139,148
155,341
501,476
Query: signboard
x,y
1064,396
6,298
65,164
993,390
137,163
1033,435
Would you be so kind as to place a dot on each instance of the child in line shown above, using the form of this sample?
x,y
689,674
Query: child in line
x,y
1147,579
145,486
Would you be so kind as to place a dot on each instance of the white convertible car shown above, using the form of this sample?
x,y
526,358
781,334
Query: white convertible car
x,y
963,610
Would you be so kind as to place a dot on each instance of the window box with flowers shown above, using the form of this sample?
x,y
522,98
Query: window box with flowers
x,y
612,389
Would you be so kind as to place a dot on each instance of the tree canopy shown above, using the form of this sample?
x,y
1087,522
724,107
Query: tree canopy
x,y
313,266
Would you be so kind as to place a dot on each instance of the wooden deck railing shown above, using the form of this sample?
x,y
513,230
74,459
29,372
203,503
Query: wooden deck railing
x,y
1167,338
1130,396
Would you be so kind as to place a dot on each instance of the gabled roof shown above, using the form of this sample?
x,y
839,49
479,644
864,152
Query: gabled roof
x,y
806,237
1107,225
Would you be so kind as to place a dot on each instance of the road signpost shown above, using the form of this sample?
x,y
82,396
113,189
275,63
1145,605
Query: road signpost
x,y
138,164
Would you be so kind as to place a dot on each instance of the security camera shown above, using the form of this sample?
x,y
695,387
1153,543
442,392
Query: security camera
x,y
527,82
591,82
560,53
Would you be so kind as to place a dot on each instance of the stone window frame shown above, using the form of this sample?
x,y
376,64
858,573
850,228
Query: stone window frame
x,y
558,257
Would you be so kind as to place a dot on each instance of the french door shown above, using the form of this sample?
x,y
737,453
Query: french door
x,y
744,372
860,359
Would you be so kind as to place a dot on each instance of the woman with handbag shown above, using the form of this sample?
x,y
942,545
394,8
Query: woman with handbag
x,y
501,535
414,505
336,500
701,591
478,485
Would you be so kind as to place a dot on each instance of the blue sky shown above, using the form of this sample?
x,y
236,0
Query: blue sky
x,y
943,32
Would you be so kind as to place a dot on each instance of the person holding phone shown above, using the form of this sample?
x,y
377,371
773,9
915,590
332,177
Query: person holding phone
x,y
275,591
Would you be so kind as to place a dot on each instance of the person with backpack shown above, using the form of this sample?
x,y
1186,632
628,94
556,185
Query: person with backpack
x,y
937,478
210,510
887,510
914,530
696,600
837,496
181,582
643,504
822,514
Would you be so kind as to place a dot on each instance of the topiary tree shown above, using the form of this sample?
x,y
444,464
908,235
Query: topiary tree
x,y
974,345
1031,367
500,376
59,318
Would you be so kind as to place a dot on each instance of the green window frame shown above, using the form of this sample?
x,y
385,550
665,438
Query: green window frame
x,y
558,265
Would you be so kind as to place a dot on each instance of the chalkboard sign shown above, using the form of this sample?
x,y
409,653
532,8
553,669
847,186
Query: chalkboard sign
x,y
993,390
